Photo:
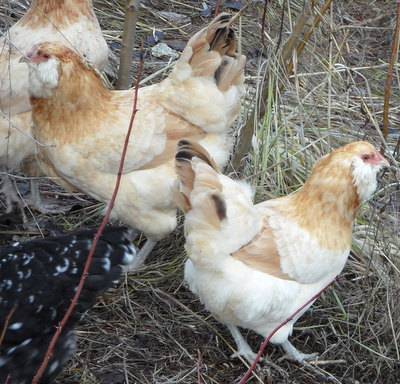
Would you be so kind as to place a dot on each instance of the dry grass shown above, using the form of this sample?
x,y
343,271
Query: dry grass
x,y
151,329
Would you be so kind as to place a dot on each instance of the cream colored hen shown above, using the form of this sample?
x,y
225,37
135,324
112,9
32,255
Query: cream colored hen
x,y
83,124
71,22
253,266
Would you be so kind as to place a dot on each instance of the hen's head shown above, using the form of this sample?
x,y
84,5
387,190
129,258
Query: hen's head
x,y
355,164
48,64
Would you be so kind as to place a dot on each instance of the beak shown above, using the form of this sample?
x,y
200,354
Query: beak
x,y
382,160
24,59
27,58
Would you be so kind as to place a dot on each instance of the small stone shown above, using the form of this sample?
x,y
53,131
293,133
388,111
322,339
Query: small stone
x,y
162,50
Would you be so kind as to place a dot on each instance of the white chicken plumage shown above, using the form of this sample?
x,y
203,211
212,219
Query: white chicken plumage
x,y
254,266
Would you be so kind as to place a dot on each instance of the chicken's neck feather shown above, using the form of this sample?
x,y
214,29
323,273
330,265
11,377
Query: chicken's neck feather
x,y
77,105
57,12
326,206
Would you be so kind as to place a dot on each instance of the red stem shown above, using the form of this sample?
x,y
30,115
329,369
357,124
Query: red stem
x,y
268,338
7,321
99,232
218,7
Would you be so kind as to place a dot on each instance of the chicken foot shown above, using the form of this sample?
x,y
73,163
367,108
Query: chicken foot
x,y
43,206
294,354
142,256
243,348
8,189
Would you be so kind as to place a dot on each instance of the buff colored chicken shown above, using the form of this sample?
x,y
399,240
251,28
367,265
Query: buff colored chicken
x,y
71,22
83,125
253,266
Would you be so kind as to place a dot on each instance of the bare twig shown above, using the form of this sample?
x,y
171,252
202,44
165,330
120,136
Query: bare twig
x,y
268,338
6,322
218,6
99,232
238,14
128,43
3,333
199,365
388,84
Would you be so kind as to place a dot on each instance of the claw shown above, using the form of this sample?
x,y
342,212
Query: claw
x,y
47,207
247,354
293,354
10,193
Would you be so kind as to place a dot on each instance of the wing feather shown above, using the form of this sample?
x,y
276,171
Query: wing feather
x,y
262,254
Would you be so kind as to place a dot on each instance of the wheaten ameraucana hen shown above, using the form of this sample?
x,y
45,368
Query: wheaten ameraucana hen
x,y
82,124
254,265
70,22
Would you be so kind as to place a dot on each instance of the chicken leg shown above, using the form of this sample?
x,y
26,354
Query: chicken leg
x,y
294,354
243,348
43,206
141,256
10,193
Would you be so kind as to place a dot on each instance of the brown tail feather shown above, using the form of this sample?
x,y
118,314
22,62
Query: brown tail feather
x,y
230,72
188,150
212,48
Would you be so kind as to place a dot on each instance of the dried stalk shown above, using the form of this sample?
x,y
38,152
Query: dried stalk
x,y
264,15
303,30
110,205
389,78
128,43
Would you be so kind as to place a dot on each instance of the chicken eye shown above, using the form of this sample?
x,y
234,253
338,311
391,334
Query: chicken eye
x,y
367,157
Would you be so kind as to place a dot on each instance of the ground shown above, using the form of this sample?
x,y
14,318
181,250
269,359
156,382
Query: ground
x,y
151,329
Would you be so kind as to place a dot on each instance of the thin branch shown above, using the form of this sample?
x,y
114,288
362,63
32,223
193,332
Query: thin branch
x,y
74,301
218,7
128,43
389,78
3,333
268,338
238,14
7,321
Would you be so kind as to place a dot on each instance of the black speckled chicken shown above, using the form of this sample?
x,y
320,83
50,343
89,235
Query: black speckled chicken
x,y
37,282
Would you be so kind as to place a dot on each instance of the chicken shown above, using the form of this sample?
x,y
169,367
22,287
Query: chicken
x,y
38,280
253,266
82,124
71,22
16,145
